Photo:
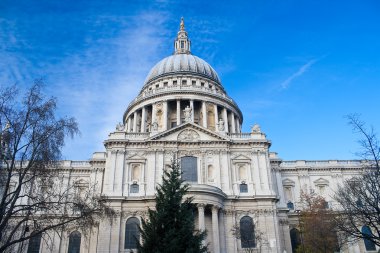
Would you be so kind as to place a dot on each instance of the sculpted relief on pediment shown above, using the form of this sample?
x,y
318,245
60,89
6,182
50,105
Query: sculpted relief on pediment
x,y
188,135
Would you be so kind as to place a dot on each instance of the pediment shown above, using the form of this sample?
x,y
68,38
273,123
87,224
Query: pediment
x,y
188,132
321,181
135,156
240,157
288,182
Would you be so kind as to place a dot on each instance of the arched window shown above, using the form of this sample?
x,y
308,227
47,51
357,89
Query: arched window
x,y
189,168
34,244
132,233
74,242
247,232
243,187
369,245
295,238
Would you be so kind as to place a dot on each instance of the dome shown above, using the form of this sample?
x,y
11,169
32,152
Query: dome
x,y
182,63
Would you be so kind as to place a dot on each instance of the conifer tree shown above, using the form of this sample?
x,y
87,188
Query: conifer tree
x,y
170,228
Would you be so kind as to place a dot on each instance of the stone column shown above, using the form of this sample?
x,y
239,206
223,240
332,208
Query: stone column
x,y
178,112
216,117
165,114
135,121
237,125
192,110
215,229
233,124
154,116
225,118
129,124
201,216
204,113
143,119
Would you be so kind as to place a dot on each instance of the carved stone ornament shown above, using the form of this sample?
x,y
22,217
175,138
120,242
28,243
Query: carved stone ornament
x,y
188,135
159,105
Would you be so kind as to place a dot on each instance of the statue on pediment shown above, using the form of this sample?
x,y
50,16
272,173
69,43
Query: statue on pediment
x,y
187,112
155,126
256,128
120,127
221,125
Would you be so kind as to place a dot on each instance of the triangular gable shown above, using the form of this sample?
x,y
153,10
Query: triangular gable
x,y
321,181
135,156
188,132
241,157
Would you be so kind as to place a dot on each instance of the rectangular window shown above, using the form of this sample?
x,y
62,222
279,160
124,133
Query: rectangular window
x,y
134,188
189,168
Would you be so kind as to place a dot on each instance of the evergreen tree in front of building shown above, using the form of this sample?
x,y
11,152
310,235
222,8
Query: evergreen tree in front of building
x,y
170,228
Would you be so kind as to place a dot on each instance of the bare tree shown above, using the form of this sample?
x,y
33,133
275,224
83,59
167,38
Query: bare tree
x,y
34,198
250,236
359,197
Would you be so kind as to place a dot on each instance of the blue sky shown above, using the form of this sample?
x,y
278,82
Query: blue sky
x,y
294,67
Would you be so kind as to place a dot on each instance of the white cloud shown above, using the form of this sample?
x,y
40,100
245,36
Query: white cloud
x,y
285,84
109,79
96,82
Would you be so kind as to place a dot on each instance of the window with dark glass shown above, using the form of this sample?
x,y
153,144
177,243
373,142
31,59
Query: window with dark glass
x,y
189,168
290,205
134,188
247,232
74,242
34,244
132,233
367,233
243,187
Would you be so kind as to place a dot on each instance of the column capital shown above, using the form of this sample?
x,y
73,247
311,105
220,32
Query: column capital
x,y
201,205
216,208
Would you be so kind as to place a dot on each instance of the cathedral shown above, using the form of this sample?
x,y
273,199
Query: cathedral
x,y
183,111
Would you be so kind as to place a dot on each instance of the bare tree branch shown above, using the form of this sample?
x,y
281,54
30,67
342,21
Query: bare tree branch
x,y
31,139
359,197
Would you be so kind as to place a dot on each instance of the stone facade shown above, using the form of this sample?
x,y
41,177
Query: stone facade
x,y
182,112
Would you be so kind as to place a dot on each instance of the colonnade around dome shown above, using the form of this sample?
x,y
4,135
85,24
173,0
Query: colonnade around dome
x,y
163,107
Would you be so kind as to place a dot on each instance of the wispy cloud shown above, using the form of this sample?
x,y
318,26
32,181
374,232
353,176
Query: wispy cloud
x,y
110,76
95,72
285,84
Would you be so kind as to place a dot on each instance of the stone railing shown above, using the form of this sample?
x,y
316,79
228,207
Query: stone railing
x,y
76,164
321,163
137,136
240,135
